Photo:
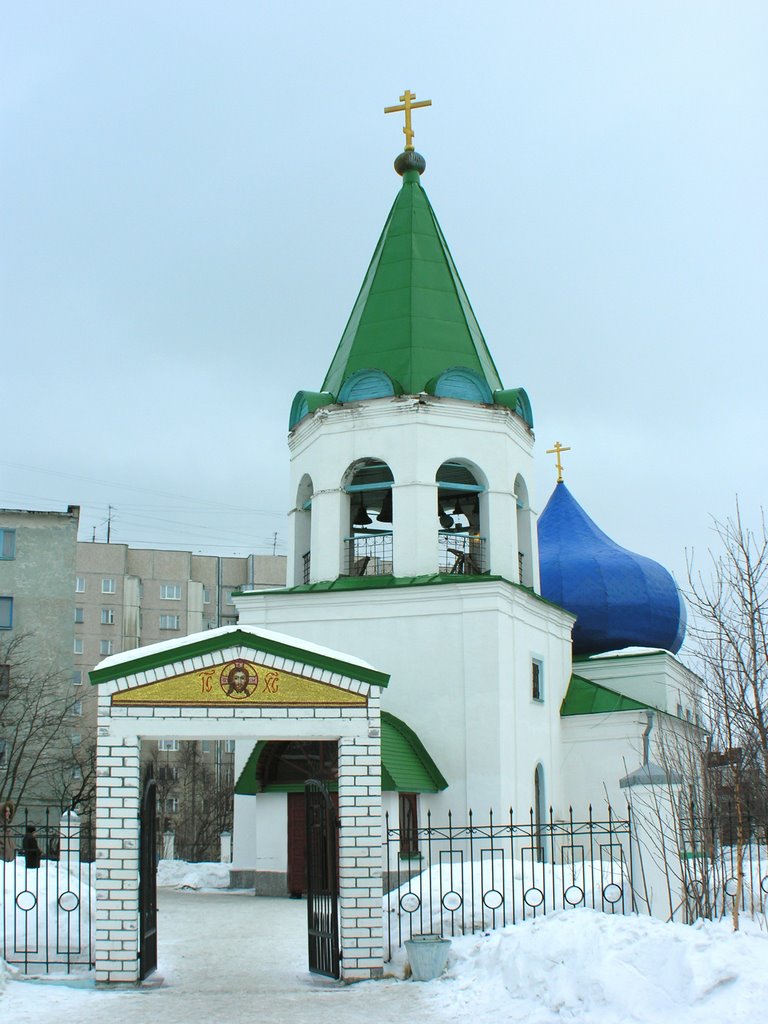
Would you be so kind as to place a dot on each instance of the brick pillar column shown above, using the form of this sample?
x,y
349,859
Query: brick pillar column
x,y
117,858
360,889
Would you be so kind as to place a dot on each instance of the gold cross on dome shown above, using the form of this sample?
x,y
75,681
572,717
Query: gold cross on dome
x,y
407,104
556,451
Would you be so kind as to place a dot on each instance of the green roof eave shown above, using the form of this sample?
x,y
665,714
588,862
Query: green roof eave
x,y
587,698
406,767
412,318
237,638
391,582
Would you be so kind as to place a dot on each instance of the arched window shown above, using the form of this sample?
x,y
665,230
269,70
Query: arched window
x,y
369,542
524,534
459,512
539,815
303,531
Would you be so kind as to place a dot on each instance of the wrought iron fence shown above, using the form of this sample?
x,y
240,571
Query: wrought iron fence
x,y
369,554
48,899
461,554
474,877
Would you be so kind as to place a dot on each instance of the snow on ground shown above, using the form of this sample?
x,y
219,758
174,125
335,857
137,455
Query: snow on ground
x,y
230,956
180,874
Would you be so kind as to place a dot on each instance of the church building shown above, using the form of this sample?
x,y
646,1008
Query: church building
x,y
528,654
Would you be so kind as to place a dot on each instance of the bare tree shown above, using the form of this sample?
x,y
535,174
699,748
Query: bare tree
x,y
35,708
729,605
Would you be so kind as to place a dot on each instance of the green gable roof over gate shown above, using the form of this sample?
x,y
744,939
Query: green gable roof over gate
x,y
412,318
406,767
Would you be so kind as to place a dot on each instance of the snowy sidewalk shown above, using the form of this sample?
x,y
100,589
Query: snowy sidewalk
x,y
233,958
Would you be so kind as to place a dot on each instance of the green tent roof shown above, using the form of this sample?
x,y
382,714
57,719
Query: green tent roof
x,y
406,767
587,698
412,318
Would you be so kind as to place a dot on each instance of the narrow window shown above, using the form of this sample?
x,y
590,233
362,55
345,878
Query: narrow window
x,y
167,744
79,615
7,544
172,804
78,645
537,680
77,677
107,616
108,585
6,613
77,709
79,584
5,680
409,825
105,647
75,739
206,595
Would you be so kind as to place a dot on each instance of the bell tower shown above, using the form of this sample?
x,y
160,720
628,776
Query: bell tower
x,y
412,459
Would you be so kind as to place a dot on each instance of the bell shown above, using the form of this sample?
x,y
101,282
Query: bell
x,y
446,521
385,516
457,509
361,516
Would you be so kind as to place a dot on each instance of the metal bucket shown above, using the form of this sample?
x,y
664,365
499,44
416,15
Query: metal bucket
x,y
427,955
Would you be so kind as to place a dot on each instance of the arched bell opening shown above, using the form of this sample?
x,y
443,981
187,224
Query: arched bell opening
x,y
524,534
369,541
461,520
302,532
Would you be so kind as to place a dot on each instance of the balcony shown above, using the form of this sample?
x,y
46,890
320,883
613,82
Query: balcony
x,y
369,553
462,554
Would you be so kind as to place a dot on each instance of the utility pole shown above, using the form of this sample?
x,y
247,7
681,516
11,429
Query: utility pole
x,y
109,522
274,543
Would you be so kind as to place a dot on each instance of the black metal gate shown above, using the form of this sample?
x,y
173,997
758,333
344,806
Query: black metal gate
x,y
148,876
322,880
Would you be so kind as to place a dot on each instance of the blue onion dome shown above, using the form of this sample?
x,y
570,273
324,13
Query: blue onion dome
x,y
620,599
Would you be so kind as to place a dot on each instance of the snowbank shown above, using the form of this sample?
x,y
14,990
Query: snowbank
x,y
181,874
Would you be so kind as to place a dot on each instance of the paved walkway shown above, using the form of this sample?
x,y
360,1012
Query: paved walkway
x,y
224,957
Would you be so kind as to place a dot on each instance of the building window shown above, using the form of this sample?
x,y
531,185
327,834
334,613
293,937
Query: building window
x,y
79,615
205,746
75,739
105,647
79,584
7,543
229,746
168,773
77,709
107,616
108,585
206,595
537,680
171,804
5,680
78,645
76,772
228,599
169,622
77,677
6,612
167,744
409,825
170,591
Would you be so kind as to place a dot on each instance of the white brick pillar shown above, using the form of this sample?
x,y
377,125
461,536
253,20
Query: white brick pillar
x,y
360,889
117,857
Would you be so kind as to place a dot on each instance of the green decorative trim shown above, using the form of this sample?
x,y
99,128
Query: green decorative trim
x,y
238,638
518,401
391,582
587,698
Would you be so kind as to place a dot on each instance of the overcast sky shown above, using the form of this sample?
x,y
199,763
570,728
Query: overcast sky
x,y
191,193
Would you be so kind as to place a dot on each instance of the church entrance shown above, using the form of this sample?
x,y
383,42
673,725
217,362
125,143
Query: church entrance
x,y
321,713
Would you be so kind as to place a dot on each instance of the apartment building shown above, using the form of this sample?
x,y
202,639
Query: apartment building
x,y
77,603
37,692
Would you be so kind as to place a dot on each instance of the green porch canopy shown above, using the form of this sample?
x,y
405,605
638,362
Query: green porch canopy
x,y
406,767
587,698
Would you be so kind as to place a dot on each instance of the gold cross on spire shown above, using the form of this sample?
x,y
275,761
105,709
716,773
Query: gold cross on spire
x,y
407,104
556,451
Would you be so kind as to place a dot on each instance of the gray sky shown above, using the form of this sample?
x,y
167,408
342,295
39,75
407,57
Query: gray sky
x,y
191,193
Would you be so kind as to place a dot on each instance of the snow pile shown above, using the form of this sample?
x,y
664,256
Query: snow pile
x,y
181,874
47,913
587,966
461,897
